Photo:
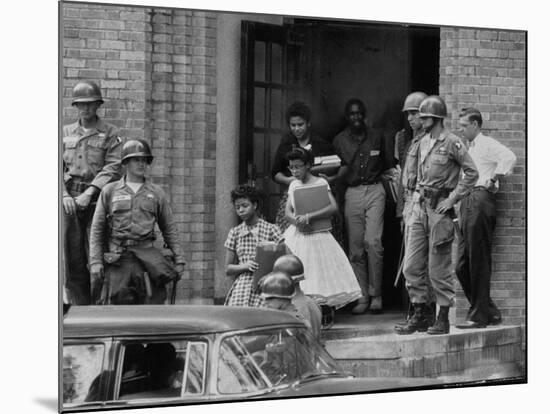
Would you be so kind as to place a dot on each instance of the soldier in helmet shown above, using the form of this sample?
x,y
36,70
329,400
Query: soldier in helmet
x,y
446,173
406,148
91,159
305,305
277,292
132,271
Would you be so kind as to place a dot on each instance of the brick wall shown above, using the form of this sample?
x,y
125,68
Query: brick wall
x,y
486,69
156,68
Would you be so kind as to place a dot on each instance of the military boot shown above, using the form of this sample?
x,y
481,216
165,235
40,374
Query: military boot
x,y
408,316
417,322
431,311
441,325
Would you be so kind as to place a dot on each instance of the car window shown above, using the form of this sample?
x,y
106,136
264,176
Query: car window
x,y
160,369
257,360
82,366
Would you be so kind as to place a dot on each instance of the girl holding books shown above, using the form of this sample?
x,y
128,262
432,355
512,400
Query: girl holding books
x,y
241,247
327,270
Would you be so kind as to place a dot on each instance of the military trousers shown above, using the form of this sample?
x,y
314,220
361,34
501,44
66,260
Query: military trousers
x,y
76,234
407,214
127,283
428,257
364,216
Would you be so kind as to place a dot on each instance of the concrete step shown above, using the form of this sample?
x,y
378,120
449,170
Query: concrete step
x,y
372,349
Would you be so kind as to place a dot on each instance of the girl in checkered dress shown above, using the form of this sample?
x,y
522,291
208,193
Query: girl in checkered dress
x,y
241,246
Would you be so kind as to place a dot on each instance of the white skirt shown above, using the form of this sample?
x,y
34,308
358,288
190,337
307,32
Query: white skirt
x,y
327,270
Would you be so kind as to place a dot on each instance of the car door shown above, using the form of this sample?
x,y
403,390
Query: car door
x,y
161,371
87,372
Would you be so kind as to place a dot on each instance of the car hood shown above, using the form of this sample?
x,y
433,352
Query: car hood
x,y
339,385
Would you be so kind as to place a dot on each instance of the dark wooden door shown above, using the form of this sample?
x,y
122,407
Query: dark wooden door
x,y
270,80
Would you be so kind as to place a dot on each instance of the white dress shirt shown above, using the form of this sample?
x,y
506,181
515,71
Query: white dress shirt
x,y
490,157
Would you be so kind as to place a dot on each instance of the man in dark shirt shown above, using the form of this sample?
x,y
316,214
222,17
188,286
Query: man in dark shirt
x,y
364,160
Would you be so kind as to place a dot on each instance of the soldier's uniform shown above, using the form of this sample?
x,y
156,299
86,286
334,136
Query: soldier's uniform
x,y
135,271
90,158
431,234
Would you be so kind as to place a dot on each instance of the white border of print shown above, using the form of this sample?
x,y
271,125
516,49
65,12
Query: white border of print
x,y
29,189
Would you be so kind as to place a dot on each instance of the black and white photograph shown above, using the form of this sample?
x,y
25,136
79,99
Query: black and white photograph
x,y
288,206
262,206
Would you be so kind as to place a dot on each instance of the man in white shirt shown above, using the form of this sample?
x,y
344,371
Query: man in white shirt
x,y
477,220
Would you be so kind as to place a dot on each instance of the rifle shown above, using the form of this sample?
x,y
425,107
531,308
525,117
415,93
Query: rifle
x,y
401,262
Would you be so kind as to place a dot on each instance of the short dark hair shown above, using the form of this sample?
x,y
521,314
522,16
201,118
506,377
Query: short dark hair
x,y
355,101
246,191
298,109
299,153
472,114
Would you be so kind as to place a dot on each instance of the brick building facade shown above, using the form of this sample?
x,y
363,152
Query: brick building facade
x,y
486,69
171,76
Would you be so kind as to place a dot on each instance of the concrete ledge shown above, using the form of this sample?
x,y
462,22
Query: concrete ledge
x,y
494,352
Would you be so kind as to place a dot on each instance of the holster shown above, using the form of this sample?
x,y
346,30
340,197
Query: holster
x,y
433,196
111,258
160,270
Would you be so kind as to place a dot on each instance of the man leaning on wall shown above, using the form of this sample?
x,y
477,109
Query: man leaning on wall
x,y
477,220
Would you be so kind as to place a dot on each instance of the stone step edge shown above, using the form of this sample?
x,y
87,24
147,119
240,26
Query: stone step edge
x,y
395,346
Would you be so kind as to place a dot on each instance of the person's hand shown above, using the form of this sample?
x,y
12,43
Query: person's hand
x,y
69,206
180,268
444,206
491,186
390,174
330,179
301,220
251,266
83,200
97,277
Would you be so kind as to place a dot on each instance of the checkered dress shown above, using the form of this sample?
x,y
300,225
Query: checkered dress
x,y
243,241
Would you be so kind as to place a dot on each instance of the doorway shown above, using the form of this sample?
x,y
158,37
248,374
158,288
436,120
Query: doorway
x,y
325,63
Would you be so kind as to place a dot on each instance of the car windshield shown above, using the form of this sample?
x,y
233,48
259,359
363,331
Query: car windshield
x,y
260,360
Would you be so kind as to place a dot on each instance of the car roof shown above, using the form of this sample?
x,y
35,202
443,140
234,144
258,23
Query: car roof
x,y
127,320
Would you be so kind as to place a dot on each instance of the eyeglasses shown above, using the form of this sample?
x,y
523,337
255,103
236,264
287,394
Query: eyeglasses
x,y
296,167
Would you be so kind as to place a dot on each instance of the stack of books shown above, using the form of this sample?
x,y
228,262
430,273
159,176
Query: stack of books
x,y
310,198
266,254
328,165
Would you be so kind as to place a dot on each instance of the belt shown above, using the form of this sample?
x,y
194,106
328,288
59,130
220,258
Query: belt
x,y
358,183
427,192
118,245
76,186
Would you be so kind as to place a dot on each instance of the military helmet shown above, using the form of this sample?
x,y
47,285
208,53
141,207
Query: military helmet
x,y
86,91
136,148
413,101
433,106
291,265
277,285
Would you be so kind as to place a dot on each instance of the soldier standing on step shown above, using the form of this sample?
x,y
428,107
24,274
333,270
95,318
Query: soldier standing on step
x,y
135,272
91,159
442,158
406,149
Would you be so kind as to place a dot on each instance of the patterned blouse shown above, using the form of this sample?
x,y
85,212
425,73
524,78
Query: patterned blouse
x,y
243,239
